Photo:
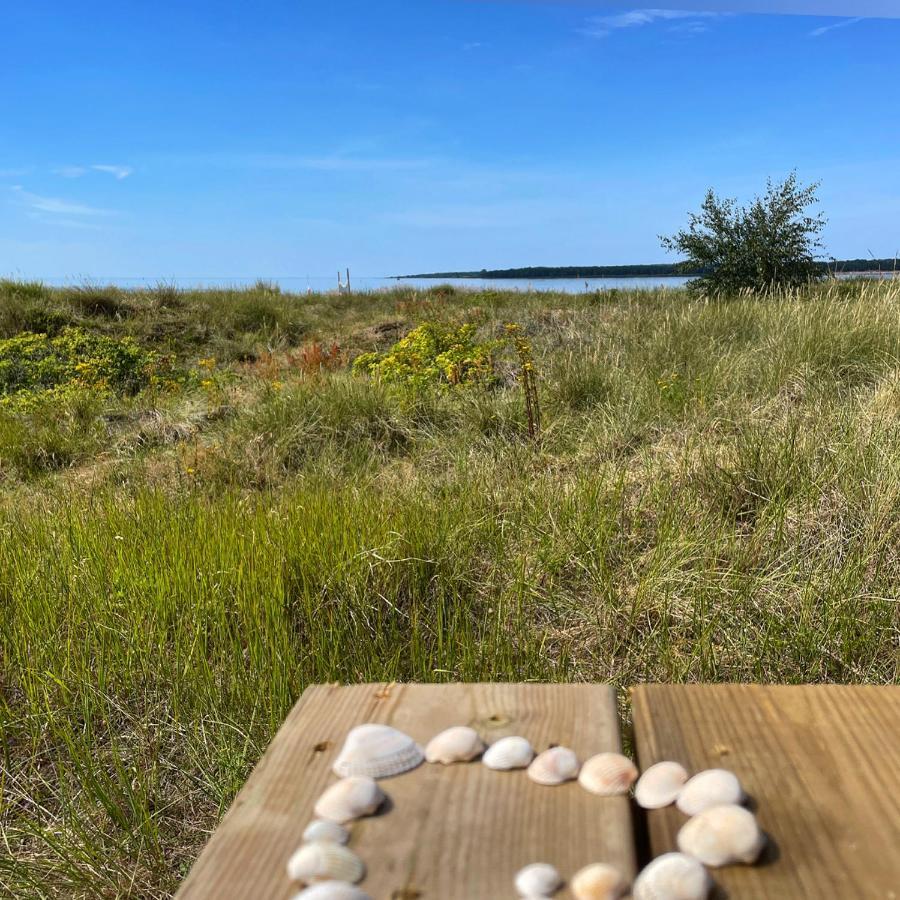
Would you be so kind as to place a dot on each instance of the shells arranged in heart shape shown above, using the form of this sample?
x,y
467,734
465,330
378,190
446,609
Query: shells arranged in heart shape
x,y
508,753
608,774
349,799
325,861
672,876
554,766
538,880
722,835
377,751
323,830
660,785
714,787
457,744
598,882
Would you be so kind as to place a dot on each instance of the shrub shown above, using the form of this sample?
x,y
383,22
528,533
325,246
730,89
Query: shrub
x,y
770,244
434,354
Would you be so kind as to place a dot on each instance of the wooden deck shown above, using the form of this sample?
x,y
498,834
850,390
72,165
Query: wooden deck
x,y
822,765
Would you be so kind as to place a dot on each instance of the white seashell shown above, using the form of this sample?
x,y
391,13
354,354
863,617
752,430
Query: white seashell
x,y
660,785
508,753
349,799
673,876
332,890
378,751
538,880
554,766
722,835
598,882
714,787
608,774
325,861
457,744
323,830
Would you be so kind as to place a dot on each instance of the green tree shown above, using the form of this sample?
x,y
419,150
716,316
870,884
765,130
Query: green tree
x,y
771,243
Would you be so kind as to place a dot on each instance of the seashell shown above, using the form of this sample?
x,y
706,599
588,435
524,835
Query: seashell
x,y
323,830
672,876
349,799
508,753
554,766
378,751
457,744
608,774
722,835
538,880
332,890
598,882
325,861
660,785
714,787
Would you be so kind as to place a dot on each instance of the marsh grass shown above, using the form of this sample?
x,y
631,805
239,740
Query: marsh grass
x,y
716,496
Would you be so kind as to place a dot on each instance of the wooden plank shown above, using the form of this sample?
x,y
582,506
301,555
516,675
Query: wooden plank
x,y
451,833
821,764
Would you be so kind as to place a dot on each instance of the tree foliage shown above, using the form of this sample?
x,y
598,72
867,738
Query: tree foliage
x,y
773,242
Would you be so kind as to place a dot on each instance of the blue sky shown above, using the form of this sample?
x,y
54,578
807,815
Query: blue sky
x,y
290,138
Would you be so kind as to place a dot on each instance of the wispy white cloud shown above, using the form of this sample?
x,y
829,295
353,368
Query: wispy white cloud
x,y
15,173
818,32
602,26
119,172
473,45
55,205
70,171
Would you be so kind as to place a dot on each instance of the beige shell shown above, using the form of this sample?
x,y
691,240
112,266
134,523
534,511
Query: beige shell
x,y
714,787
325,861
508,753
672,876
598,882
554,766
378,751
608,774
457,744
323,830
660,785
349,799
538,880
722,835
332,890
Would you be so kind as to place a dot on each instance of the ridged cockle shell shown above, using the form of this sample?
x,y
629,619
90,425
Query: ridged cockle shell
x,y
457,744
660,785
325,861
554,766
332,890
608,774
508,753
672,876
349,799
598,882
323,830
722,835
538,880
714,787
378,751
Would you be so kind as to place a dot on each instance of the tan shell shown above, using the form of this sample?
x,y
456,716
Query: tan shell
x,y
722,835
378,751
660,785
325,861
608,774
323,830
332,890
457,744
508,753
554,766
598,882
538,880
672,876
714,787
349,799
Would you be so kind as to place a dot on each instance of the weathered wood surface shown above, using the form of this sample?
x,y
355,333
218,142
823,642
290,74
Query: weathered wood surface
x,y
451,832
821,765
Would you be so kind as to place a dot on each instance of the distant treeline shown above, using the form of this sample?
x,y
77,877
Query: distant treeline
x,y
644,271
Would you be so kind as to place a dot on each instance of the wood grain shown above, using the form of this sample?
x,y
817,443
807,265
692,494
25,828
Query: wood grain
x,y
820,763
450,833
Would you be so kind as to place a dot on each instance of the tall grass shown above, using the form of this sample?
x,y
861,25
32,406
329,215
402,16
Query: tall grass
x,y
716,496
